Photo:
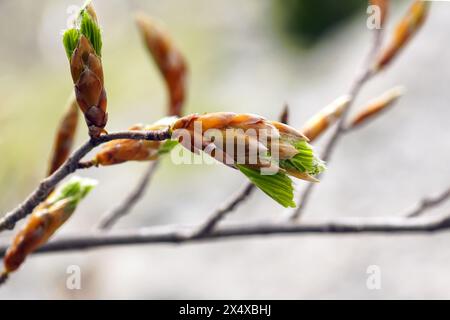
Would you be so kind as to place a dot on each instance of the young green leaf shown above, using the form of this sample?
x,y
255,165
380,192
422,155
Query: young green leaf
x,y
305,160
90,29
277,186
70,41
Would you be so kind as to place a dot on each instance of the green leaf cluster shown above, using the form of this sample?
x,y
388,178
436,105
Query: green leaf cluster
x,y
87,27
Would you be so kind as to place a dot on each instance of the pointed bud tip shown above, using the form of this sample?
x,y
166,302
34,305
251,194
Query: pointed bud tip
x,y
341,103
89,8
146,23
398,91
284,118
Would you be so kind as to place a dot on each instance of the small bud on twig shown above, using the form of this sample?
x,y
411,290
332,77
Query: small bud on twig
x,y
83,46
119,151
404,31
169,60
319,123
65,136
45,220
375,107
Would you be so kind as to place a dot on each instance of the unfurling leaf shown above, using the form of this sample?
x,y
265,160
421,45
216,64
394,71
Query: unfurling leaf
x,y
83,46
404,31
90,29
304,165
65,136
278,186
265,151
375,107
45,220
320,122
70,41
169,60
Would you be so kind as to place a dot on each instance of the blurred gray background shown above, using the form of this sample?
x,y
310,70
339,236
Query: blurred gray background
x,y
245,56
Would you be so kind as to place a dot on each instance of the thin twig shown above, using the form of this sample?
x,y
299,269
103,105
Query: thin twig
x,y
429,203
3,278
226,208
178,235
70,166
86,164
365,75
112,216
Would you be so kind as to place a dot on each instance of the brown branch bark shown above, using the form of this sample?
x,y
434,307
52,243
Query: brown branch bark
x,y
71,165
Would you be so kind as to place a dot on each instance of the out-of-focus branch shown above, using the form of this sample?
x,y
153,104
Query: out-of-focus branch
x,y
365,75
408,26
429,203
226,208
112,216
70,166
178,235
410,223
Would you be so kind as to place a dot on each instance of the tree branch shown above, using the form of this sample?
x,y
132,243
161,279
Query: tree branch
x,y
408,223
71,165
365,75
178,235
226,208
429,203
